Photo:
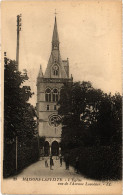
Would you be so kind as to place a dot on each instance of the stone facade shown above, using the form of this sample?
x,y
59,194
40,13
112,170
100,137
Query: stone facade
x,y
48,93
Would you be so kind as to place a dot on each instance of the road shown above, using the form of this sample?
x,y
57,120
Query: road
x,y
30,181
38,169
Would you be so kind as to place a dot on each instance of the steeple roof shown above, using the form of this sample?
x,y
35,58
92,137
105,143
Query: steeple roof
x,y
55,37
55,57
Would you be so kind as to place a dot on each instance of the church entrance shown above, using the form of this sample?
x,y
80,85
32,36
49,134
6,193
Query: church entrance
x,y
46,148
55,148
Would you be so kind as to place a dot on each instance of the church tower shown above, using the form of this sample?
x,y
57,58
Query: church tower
x,y
48,93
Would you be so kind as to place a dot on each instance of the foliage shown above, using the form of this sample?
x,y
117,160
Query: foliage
x,y
19,114
90,118
99,163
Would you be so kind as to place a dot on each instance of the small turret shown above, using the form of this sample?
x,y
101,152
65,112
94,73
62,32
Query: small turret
x,y
40,74
66,66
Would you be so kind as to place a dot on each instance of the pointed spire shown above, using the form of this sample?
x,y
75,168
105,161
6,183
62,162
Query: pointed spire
x,y
55,32
40,74
55,38
55,57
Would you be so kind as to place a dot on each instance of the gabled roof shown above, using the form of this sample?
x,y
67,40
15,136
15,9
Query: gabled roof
x,y
62,72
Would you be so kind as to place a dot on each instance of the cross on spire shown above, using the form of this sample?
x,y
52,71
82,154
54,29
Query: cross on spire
x,y
55,12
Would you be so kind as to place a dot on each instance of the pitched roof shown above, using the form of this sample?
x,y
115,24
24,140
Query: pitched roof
x,y
55,55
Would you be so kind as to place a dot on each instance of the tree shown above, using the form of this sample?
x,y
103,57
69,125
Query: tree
x,y
109,119
91,130
89,116
19,114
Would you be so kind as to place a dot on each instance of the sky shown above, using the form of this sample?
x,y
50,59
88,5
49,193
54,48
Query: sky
x,y
89,33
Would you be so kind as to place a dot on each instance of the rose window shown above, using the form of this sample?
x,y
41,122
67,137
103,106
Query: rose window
x,y
54,120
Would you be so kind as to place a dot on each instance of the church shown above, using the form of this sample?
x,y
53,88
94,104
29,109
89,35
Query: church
x,y
49,86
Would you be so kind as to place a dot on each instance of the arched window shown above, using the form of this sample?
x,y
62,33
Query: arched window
x,y
48,95
55,95
48,107
55,70
54,107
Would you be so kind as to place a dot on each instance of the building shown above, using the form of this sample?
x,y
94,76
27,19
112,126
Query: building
x,y
48,93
